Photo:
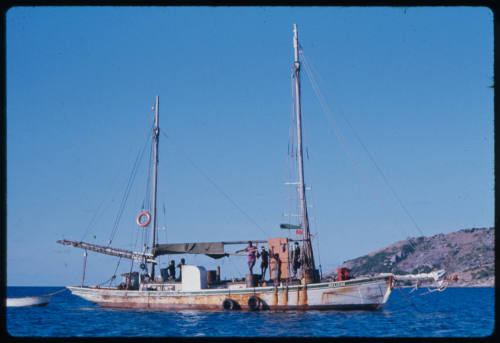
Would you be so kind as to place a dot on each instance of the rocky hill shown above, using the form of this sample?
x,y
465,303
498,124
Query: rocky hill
x,y
468,253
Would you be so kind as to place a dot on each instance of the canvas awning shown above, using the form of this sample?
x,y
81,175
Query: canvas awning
x,y
212,249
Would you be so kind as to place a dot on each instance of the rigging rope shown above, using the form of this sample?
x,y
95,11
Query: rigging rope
x,y
235,267
110,280
411,302
114,274
439,289
127,191
59,291
358,138
315,236
146,204
134,248
216,186
93,221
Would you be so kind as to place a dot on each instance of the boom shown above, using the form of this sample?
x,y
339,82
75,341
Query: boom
x,y
133,255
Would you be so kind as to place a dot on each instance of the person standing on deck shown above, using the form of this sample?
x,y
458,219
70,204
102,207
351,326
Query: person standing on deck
x,y
179,266
277,268
171,270
295,259
264,255
251,255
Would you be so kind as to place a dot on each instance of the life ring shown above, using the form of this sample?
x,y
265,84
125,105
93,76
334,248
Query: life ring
x,y
148,219
229,304
254,303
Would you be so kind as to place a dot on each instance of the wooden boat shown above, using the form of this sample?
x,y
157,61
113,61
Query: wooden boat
x,y
201,289
42,300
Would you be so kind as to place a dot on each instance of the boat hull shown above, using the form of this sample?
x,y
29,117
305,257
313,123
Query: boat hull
x,y
356,294
29,301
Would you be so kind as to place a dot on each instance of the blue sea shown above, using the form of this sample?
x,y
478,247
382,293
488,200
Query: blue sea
x,y
455,312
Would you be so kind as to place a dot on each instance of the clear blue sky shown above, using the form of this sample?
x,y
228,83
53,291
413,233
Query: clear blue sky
x,y
413,83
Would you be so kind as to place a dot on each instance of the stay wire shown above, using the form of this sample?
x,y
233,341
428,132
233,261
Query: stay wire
x,y
114,274
135,247
93,221
338,134
209,179
146,204
372,159
127,191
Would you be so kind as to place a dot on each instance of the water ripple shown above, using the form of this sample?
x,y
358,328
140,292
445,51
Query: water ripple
x,y
440,314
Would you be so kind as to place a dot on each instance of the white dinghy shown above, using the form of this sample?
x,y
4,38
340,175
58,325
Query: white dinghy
x,y
42,300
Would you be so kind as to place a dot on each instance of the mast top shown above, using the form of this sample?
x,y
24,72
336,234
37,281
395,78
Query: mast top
x,y
296,43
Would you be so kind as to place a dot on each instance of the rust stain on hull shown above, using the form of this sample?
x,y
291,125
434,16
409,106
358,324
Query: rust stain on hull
x,y
206,302
329,295
285,297
303,295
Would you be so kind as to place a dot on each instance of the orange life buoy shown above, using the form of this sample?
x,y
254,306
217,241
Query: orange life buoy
x,y
148,219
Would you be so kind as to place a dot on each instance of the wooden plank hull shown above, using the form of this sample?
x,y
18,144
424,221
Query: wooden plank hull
x,y
356,294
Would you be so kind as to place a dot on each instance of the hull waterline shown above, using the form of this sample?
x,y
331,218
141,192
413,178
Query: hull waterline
x,y
362,294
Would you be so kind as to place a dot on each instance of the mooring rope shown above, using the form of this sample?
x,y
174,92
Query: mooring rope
x,y
411,303
59,291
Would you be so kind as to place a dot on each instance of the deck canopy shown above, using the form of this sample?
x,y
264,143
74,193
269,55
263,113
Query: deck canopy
x,y
211,249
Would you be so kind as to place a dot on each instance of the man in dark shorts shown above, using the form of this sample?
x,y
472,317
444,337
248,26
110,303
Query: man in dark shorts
x,y
171,270
264,255
179,266
295,259
277,269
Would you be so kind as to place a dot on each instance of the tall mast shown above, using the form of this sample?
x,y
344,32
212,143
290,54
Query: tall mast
x,y
156,137
309,267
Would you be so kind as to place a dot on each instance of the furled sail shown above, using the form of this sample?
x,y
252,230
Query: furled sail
x,y
212,249
133,255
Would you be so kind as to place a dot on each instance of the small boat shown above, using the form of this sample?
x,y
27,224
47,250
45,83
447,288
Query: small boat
x,y
42,300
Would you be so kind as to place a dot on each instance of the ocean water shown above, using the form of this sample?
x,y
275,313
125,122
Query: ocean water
x,y
455,312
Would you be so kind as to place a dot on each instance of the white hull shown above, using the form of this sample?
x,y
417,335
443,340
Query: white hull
x,y
369,293
29,301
